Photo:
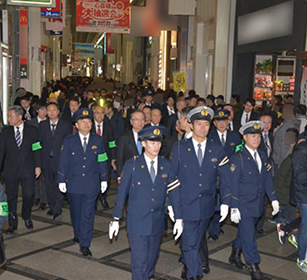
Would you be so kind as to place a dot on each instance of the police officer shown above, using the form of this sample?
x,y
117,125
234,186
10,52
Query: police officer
x,y
251,180
229,140
197,163
147,179
82,168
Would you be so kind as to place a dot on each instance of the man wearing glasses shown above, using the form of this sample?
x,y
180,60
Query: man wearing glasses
x,y
128,144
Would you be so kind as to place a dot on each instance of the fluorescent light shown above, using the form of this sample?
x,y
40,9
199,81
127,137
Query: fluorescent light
x,y
99,40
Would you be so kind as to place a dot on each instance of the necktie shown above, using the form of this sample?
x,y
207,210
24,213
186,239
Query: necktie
x,y
99,129
223,140
199,155
18,137
255,158
267,144
84,144
246,118
53,128
139,146
152,171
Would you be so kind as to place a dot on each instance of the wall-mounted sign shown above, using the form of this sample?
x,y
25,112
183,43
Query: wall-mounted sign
x,y
56,33
52,12
37,3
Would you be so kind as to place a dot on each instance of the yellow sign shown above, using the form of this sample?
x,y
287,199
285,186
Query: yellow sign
x,y
180,81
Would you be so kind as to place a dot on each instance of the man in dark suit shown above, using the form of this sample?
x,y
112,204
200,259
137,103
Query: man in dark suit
x,y
20,151
168,109
40,187
266,145
148,98
105,130
246,115
74,105
115,119
128,144
155,117
28,111
52,133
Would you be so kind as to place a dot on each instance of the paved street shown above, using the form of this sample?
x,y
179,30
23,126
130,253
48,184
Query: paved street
x,y
47,252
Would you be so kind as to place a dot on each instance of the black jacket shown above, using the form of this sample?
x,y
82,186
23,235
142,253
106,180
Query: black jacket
x,y
262,146
108,141
19,163
237,119
52,144
126,149
299,167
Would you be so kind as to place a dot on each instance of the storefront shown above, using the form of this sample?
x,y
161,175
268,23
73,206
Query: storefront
x,y
270,35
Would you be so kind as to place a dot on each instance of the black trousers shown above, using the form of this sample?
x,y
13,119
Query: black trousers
x,y
54,196
12,186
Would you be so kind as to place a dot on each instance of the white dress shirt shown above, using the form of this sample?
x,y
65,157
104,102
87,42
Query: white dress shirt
x,y
148,162
220,135
56,124
82,138
267,144
243,118
40,120
96,127
171,111
20,130
259,162
203,146
136,137
231,125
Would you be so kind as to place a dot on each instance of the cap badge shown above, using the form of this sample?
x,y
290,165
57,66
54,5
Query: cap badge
x,y
157,132
85,113
221,114
204,112
256,126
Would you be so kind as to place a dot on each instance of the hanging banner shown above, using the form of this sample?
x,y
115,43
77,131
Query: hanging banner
x,y
180,81
103,16
23,43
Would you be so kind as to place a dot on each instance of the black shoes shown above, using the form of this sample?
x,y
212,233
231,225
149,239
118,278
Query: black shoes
x,y
75,240
213,237
85,251
184,272
104,202
206,269
29,224
11,229
235,259
42,206
255,272
261,231
36,202
49,213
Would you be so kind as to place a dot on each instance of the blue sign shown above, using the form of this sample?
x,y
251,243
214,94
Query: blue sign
x,y
50,13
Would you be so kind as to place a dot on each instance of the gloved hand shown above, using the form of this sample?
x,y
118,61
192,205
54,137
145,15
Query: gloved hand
x,y
178,228
171,213
235,215
113,228
103,186
62,187
224,209
275,206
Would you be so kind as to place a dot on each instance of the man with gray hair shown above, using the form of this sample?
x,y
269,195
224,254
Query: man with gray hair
x,y
20,150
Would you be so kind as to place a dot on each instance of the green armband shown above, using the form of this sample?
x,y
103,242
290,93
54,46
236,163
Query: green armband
x,y
112,144
36,146
4,211
102,157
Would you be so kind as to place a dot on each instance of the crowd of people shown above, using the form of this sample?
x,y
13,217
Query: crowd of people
x,y
205,157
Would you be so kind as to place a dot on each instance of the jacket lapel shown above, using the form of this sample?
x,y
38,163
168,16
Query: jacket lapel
x,y
144,167
133,144
251,158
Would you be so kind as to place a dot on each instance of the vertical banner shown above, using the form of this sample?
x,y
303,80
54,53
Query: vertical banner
x,y
23,43
304,87
108,44
103,16
180,81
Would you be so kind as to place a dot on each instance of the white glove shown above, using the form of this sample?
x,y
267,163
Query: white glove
x,y
275,206
235,215
171,213
62,187
178,228
113,228
103,186
224,212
